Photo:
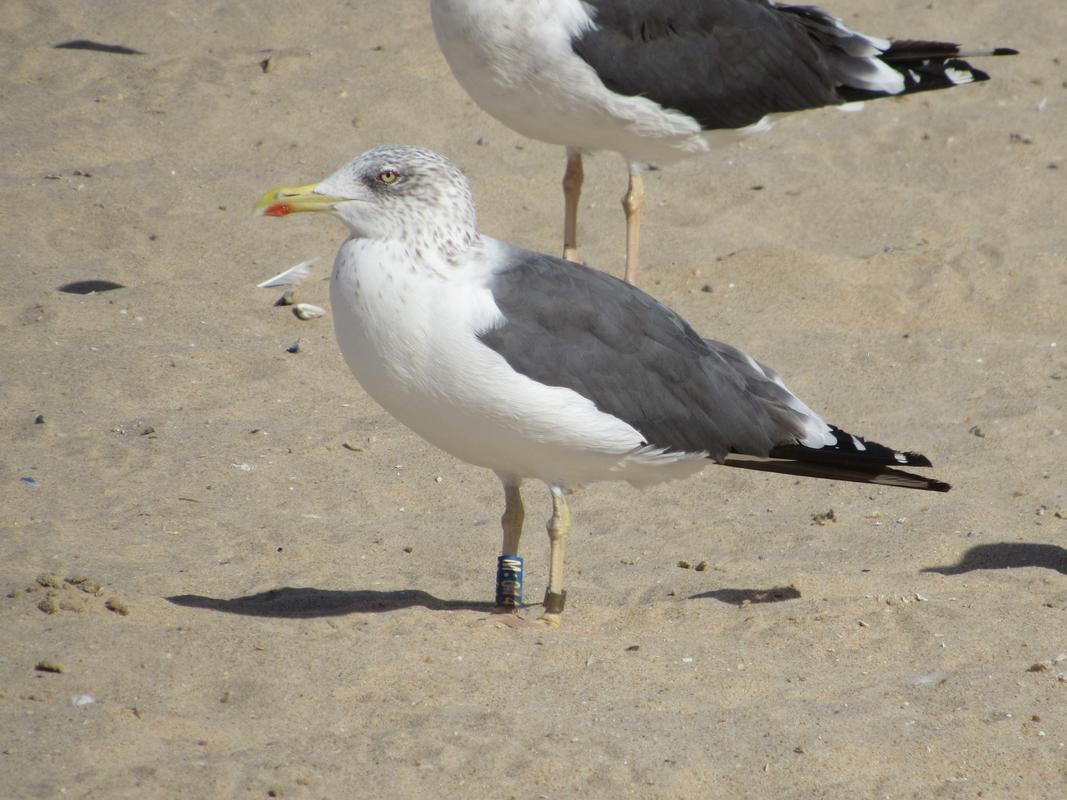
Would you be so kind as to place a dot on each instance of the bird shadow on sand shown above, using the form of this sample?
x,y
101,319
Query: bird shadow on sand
x,y
296,602
741,597
1007,555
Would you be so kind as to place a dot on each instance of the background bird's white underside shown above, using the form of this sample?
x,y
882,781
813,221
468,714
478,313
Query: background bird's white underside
x,y
519,65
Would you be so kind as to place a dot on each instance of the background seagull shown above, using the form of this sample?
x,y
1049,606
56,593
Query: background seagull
x,y
535,367
657,80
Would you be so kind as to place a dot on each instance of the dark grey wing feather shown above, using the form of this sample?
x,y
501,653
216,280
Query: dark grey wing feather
x,y
571,326
726,63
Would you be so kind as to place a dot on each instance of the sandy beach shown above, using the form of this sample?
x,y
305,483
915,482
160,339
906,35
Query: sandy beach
x,y
226,572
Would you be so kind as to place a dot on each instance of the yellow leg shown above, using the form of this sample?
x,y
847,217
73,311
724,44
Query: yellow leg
x,y
511,521
559,525
572,191
509,582
632,203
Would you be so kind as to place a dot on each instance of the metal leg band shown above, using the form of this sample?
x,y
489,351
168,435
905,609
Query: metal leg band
x,y
554,602
509,575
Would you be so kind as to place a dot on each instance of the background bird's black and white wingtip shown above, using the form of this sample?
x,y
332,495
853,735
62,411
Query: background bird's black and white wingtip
x,y
927,66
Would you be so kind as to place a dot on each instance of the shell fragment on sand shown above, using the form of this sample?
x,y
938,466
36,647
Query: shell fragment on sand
x,y
308,311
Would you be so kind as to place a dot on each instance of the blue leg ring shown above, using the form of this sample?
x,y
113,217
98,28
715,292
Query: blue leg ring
x,y
509,574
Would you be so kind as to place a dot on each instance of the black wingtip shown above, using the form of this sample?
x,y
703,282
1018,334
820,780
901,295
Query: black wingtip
x,y
916,460
882,476
906,480
1005,51
854,451
977,75
851,458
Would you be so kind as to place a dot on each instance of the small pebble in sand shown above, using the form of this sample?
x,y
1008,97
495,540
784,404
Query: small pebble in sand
x,y
47,579
701,567
1040,666
286,299
82,700
48,666
683,564
39,419
293,348
824,518
116,605
48,605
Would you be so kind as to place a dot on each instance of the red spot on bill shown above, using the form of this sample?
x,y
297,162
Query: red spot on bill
x,y
278,210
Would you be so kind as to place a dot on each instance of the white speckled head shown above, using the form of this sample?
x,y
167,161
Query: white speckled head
x,y
407,194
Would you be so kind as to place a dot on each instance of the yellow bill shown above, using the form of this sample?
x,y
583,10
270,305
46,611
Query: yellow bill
x,y
286,200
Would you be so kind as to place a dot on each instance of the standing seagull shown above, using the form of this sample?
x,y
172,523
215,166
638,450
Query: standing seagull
x,y
658,80
535,367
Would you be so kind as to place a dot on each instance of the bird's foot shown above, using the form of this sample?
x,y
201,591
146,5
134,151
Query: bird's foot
x,y
550,620
508,616
554,602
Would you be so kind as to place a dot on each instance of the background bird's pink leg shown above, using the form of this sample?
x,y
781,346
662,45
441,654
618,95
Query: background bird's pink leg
x,y
572,191
632,203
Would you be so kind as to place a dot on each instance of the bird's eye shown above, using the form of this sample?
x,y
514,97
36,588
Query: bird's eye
x,y
388,176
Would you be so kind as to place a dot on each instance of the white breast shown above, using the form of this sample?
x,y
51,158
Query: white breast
x,y
410,338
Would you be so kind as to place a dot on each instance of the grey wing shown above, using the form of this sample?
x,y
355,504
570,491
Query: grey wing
x,y
726,63
571,326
